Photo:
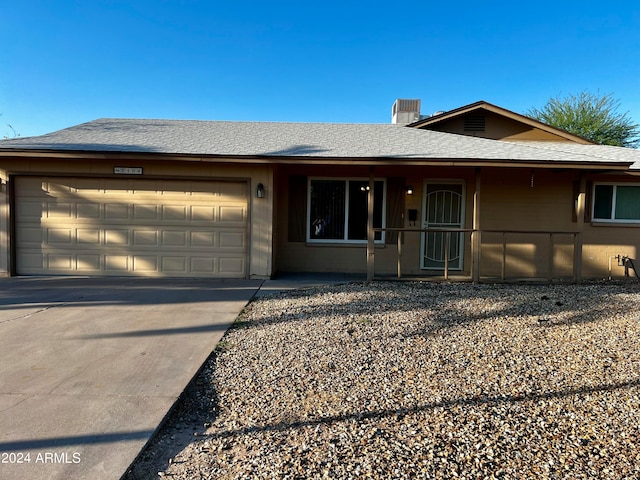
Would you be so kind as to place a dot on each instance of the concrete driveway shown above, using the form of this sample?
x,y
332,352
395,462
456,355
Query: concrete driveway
x,y
89,367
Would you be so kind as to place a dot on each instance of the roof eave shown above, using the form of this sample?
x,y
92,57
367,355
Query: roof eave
x,y
316,160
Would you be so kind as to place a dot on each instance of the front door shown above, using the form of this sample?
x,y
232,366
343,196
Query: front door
x,y
443,207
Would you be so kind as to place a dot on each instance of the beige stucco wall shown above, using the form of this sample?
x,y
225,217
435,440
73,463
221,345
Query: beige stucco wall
x,y
605,241
509,201
260,225
531,200
351,258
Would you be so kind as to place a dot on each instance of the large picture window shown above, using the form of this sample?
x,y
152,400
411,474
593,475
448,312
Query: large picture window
x,y
337,210
616,202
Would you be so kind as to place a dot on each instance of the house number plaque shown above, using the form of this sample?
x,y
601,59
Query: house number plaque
x,y
127,170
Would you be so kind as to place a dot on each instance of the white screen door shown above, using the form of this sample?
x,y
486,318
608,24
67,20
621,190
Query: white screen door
x,y
443,208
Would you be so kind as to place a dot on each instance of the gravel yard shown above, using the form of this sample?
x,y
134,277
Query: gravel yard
x,y
416,380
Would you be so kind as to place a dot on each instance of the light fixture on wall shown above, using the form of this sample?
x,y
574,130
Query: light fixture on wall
x,y
260,191
409,190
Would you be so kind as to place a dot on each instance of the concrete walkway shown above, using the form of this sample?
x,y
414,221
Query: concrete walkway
x,y
89,367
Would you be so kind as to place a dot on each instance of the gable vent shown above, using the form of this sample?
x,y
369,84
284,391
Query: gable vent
x,y
474,123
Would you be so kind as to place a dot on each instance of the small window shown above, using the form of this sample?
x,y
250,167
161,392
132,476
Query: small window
x,y
616,203
338,210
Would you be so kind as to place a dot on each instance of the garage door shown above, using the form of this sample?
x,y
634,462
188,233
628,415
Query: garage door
x,y
86,226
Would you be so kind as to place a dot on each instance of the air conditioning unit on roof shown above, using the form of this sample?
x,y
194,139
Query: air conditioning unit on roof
x,y
405,111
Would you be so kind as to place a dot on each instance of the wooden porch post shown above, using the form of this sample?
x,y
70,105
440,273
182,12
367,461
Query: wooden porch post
x,y
400,236
577,248
550,259
503,272
475,236
370,232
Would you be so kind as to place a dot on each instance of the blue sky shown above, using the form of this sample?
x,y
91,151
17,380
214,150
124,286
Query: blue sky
x,y
66,62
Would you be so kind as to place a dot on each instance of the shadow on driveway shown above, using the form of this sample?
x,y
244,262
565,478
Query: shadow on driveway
x,y
89,367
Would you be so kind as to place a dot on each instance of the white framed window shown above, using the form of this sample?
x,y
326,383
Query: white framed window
x,y
337,210
616,202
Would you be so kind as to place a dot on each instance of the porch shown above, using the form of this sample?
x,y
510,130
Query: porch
x,y
377,226
505,253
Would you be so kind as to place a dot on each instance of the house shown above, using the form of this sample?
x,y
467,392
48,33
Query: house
x,y
478,192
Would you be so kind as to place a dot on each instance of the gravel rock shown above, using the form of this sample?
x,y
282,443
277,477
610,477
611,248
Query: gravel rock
x,y
417,380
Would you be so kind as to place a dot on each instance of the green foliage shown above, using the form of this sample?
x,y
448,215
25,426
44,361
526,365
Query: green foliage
x,y
590,116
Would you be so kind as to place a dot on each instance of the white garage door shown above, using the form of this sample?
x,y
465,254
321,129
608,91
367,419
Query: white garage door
x,y
88,226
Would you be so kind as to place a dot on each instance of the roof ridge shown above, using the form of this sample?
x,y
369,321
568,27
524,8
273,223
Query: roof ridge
x,y
276,122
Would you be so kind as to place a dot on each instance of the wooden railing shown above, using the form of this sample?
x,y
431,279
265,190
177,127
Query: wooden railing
x,y
476,249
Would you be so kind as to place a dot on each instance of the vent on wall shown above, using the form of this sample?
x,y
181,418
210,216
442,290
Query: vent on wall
x,y
474,123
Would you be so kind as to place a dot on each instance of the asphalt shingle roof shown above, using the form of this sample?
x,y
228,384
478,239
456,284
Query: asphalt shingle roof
x,y
606,152
303,140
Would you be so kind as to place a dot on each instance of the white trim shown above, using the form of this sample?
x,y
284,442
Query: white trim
x,y
345,240
463,204
611,220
